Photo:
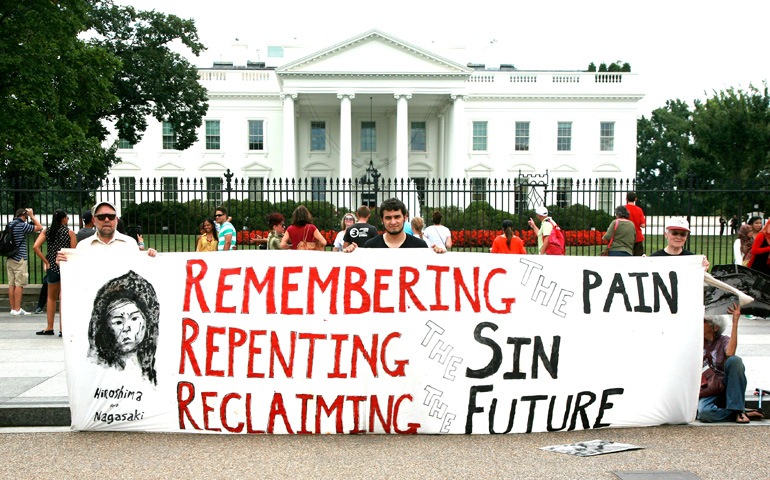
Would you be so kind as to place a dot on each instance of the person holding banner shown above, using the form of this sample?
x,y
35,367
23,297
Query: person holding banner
x,y
107,237
677,231
123,332
719,355
393,213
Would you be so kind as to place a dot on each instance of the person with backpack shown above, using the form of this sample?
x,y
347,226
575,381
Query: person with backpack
x,y
550,238
18,272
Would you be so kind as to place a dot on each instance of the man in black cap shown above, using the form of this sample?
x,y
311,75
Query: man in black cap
x,y
88,226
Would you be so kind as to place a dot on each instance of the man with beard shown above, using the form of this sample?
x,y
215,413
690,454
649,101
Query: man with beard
x,y
394,213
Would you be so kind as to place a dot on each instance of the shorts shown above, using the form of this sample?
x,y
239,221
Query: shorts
x,y
53,277
18,276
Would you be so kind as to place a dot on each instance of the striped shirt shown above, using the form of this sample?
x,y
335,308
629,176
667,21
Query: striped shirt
x,y
20,231
223,230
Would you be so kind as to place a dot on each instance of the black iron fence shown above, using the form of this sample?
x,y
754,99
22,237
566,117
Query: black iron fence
x,y
169,210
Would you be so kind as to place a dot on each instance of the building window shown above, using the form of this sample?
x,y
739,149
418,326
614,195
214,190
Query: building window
x,y
256,134
606,190
417,137
318,186
479,136
169,187
368,136
212,135
563,192
522,136
214,189
169,137
256,187
318,136
607,136
564,137
127,191
125,145
479,189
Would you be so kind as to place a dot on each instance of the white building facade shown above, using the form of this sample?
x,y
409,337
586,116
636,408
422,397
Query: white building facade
x,y
411,113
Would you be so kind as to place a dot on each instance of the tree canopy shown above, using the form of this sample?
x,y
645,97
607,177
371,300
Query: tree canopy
x,y
726,137
68,67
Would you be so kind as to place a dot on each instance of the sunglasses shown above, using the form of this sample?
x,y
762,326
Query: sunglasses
x,y
106,216
350,219
219,215
677,233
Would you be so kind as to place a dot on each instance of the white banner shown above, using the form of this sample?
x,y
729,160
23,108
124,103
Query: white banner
x,y
380,341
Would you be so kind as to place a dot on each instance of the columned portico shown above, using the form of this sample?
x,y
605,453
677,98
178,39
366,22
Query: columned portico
x,y
402,135
459,136
346,138
289,136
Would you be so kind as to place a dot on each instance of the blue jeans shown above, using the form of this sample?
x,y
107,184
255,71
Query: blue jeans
x,y
735,393
618,253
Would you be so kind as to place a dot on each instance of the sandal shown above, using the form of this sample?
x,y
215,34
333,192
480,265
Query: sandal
x,y
44,332
741,417
754,414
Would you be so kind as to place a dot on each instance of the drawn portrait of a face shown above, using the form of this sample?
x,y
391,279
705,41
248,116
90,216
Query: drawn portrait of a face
x,y
124,325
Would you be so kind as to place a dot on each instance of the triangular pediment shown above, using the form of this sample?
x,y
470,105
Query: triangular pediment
x,y
373,53
564,168
479,168
170,167
607,167
256,168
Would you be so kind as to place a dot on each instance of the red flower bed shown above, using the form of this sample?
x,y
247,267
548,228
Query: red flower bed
x,y
471,238
484,238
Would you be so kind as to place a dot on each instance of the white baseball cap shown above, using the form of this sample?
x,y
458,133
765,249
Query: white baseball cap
x,y
541,211
677,223
99,204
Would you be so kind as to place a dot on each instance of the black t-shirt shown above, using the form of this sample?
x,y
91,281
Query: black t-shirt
x,y
410,242
360,233
664,253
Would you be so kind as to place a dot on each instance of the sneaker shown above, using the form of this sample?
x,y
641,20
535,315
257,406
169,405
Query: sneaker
x,y
14,312
23,312
39,310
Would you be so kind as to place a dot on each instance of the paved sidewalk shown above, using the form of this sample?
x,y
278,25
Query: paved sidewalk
x,y
33,385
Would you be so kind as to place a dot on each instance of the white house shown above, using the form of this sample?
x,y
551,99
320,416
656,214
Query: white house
x,y
408,111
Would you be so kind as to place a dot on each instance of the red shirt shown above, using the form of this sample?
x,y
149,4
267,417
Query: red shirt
x,y
297,234
500,245
636,215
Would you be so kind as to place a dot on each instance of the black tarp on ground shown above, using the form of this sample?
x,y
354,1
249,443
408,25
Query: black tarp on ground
x,y
749,281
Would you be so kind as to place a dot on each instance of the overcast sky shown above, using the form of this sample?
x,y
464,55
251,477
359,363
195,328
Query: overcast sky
x,y
680,48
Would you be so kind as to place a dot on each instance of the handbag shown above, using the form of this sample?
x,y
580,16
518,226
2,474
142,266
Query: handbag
x,y
711,381
606,251
305,244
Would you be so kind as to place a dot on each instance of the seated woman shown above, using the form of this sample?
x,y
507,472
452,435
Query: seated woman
x,y
719,352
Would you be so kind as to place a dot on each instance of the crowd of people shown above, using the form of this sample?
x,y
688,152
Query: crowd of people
x,y
103,230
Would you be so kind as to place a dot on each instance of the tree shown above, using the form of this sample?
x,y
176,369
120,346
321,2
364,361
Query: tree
x,y
732,135
57,89
591,67
662,143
